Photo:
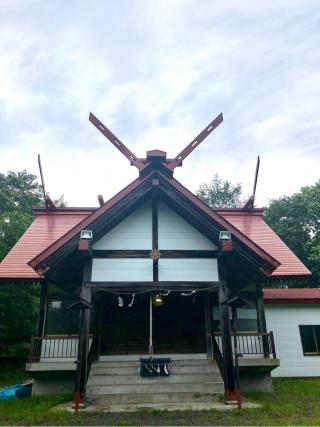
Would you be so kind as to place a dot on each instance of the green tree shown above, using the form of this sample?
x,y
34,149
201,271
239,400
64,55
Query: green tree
x,y
19,192
220,193
296,219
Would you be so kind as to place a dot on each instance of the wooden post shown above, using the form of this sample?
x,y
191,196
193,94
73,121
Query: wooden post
x,y
86,296
229,379
208,324
36,352
262,324
236,353
150,327
42,309
155,261
83,344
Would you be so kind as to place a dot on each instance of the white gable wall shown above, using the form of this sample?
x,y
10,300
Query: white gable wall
x,y
135,233
284,321
188,269
176,233
122,270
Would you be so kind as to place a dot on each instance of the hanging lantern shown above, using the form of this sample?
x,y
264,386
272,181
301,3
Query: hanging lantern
x,y
157,300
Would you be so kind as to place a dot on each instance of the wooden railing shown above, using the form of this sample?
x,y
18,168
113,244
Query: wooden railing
x,y
251,343
53,347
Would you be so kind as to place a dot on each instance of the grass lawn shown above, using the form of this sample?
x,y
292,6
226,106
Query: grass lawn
x,y
294,402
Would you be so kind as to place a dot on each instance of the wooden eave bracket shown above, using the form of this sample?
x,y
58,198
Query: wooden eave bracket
x,y
80,303
84,246
225,246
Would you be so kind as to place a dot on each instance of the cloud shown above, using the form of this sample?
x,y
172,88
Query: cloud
x,y
157,74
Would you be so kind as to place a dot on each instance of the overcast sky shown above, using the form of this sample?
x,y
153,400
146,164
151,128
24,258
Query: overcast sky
x,y
156,73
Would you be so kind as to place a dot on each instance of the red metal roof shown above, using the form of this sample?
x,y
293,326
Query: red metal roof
x,y
252,224
52,228
47,228
292,296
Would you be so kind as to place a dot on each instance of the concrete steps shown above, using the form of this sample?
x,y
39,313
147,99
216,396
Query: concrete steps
x,y
114,381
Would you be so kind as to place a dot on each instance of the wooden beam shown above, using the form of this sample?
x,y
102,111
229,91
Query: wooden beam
x,y
153,286
116,142
195,142
164,253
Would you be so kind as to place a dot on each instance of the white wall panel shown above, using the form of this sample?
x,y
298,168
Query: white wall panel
x,y
176,233
134,232
284,321
121,270
195,269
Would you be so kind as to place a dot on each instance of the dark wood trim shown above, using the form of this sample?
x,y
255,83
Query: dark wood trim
x,y
164,253
151,284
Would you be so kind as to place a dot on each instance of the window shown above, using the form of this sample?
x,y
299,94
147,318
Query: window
x,y
60,320
310,339
246,319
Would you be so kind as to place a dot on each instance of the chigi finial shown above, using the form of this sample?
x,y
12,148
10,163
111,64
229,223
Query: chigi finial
x,y
156,158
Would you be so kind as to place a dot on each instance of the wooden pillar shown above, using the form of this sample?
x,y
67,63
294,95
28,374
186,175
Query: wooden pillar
x,y
155,237
229,377
155,256
42,309
86,296
262,324
83,345
208,324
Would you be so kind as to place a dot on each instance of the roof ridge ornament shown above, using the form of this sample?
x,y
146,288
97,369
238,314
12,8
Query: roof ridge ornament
x,y
250,202
156,158
49,203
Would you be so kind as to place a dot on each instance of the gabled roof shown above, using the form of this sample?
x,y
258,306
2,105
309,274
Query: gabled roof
x,y
53,229
251,223
47,228
292,296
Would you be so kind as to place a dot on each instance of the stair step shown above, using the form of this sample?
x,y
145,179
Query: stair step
x,y
155,398
156,387
136,362
165,406
138,380
136,357
133,370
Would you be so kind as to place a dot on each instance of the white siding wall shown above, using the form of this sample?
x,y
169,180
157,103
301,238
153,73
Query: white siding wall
x,y
198,269
134,232
176,233
284,321
121,270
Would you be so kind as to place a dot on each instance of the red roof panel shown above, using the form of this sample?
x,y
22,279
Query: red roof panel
x,y
292,296
252,224
50,226
46,229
